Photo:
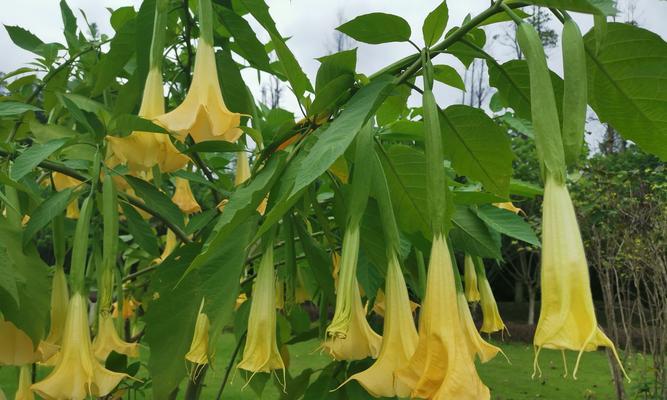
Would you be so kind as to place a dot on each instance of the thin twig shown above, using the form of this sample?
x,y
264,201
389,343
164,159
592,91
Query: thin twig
x,y
225,378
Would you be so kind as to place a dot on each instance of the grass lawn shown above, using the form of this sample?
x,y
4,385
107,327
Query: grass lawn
x,y
507,382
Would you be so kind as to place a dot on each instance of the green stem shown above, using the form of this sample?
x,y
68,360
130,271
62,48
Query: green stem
x,y
206,21
512,14
80,248
59,249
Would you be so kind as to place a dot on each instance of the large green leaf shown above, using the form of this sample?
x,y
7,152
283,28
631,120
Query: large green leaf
x,y
122,48
336,138
9,108
508,223
435,23
157,200
477,147
234,91
141,231
449,76
24,39
513,83
471,234
34,155
30,313
626,84
600,7
377,28
46,211
335,65
248,45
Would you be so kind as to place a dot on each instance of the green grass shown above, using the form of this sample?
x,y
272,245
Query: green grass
x,y
507,382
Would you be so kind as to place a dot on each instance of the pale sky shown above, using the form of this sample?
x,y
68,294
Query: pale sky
x,y
310,24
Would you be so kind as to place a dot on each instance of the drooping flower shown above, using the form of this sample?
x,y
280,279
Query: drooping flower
x,y
509,206
261,353
77,374
567,316
476,344
198,352
169,246
58,313
442,366
143,150
242,168
23,391
184,198
16,347
129,307
491,322
107,340
470,280
399,339
62,182
349,336
203,113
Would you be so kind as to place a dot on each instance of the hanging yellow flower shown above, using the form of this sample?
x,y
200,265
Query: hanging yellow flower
x,y
509,206
184,198
107,340
442,366
261,353
399,339
349,336
477,346
470,280
59,301
567,316
242,168
62,182
143,150
169,246
203,113
129,307
492,322
198,353
77,374
23,391
16,348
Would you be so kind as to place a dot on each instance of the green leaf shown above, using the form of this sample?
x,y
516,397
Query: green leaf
x,y
141,231
124,124
8,277
624,79
508,223
123,46
335,65
395,106
477,147
471,234
449,76
234,91
156,199
526,189
24,38
435,23
599,7
70,26
30,313
334,139
248,45
47,210
513,83
318,260
465,53
34,155
330,95
8,108
214,146
504,17
376,28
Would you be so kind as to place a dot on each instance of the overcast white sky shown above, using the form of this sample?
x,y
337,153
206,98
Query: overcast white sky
x,y
310,24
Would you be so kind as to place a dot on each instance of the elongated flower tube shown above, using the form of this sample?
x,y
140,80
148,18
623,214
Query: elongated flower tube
x,y
442,366
169,246
62,182
261,353
567,315
23,391
470,279
491,322
77,374
242,168
184,198
399,339
107,340
203,113
16,348
58,313
349,336
476,344
198,353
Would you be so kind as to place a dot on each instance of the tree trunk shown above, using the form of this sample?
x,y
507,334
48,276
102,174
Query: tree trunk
x,y
531,305
616,375
518,291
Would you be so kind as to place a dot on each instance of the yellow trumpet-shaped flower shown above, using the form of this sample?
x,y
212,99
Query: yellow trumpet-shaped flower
x,y
470,280
23,391
143,150
77,374
261,353
198,353
398,343
203,113
59,302
169,246
477,346
442,366
16,348
491,322
107,340
62,182
349,336
567,316
509,206
129,307
184,198
242,168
